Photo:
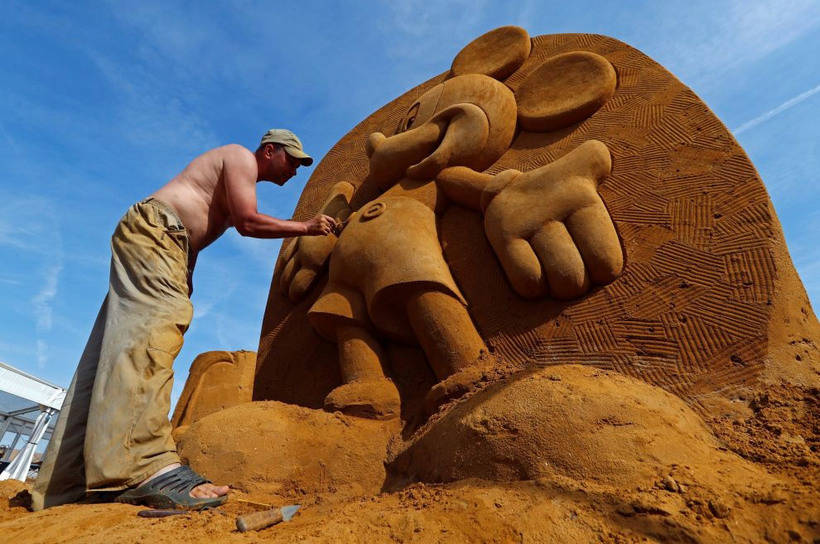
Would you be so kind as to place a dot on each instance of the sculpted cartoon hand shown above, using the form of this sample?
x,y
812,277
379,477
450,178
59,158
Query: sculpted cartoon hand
x,y
302,261
550,228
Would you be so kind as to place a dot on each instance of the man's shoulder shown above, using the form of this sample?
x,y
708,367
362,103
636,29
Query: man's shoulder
x,y
236,152
235,157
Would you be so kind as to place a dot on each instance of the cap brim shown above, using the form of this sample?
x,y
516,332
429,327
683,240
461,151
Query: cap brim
x,y
303,157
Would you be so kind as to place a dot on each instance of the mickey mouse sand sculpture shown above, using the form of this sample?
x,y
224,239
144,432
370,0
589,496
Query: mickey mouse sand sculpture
x,y
387,276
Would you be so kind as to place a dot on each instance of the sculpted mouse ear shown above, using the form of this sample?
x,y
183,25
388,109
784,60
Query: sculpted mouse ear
x,y
565,89
497,54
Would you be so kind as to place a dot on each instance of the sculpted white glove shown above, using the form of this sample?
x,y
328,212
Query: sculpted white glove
x,y
550,228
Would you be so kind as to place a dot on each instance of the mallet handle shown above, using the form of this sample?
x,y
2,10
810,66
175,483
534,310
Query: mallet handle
x,y
258,520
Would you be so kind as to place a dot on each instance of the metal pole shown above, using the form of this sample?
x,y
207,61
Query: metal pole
x,y
4,426
18,469
7,456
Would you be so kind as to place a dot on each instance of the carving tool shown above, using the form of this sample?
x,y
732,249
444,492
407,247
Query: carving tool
x,y
340,225
261,520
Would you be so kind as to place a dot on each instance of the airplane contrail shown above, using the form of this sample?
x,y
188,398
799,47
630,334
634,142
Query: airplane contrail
x,y
776,111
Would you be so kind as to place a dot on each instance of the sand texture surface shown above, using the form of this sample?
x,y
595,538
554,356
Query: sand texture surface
x,y
564,454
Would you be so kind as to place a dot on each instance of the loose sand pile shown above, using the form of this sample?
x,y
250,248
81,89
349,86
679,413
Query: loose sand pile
x,y
575,454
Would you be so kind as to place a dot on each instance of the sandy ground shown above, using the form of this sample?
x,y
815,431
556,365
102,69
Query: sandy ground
x,y
748,476
466,511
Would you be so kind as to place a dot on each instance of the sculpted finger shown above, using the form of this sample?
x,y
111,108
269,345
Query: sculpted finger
x,y
280,266
594,234
284,256
287,275
563,266
290,249
521,266
302,281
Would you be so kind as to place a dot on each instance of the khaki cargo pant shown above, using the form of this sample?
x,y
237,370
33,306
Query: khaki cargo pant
x,y
113,430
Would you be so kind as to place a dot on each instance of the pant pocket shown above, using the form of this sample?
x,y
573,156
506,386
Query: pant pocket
x,y
179,236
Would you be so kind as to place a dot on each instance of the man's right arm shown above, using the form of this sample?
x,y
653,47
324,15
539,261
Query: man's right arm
x,y
239,175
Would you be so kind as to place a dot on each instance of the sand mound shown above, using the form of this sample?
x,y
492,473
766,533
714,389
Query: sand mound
x,y
587,455
14,498
217,380
286,451
572,421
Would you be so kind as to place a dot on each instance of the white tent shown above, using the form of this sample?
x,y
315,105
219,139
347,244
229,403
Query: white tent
x,y
20,395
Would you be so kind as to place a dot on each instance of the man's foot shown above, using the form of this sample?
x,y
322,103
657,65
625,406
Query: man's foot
x,y
178,487
202,491
377,399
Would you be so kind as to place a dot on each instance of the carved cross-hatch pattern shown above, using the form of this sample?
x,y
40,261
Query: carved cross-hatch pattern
x,y
690,311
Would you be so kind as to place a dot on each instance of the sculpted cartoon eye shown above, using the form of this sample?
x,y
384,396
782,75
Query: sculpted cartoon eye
x,y
410,118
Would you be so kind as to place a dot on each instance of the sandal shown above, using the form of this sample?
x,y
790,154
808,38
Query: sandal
x,y
171,490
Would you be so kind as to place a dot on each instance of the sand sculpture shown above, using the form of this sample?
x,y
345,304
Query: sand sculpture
x,y
561,309
548,227
216,380
501,181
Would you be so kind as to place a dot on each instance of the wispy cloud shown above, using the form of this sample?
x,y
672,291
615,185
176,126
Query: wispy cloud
x,y
30,227
42,354
790,103
147,118
214,283
702,44
417,27
42,301
9,140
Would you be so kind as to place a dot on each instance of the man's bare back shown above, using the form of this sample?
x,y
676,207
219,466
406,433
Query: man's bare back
x,y
217,190
198,192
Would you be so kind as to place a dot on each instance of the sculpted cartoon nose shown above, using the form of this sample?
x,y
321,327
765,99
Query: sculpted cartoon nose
x,y
373,142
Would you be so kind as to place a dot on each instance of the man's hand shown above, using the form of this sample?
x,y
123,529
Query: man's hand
x,y
550,228
306,256
321,225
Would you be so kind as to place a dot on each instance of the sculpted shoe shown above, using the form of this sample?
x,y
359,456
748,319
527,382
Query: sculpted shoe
x,y
452,387
377,399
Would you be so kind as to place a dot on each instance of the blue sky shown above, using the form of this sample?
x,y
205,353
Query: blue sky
x,y
101,103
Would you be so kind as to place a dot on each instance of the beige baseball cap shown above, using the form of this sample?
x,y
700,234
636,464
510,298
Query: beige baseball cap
x,y
288,140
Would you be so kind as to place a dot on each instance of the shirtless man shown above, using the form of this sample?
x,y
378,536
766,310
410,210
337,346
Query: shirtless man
x,y
113,433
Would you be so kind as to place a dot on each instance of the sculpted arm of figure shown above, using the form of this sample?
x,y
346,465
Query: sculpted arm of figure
x,y
549,227
301,262
239,175
472,189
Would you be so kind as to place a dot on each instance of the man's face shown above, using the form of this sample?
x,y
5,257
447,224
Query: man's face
x,y
281,166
